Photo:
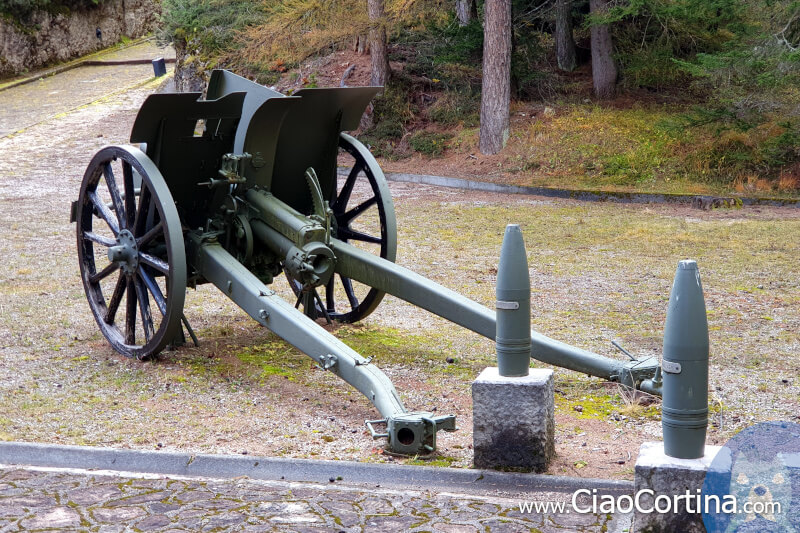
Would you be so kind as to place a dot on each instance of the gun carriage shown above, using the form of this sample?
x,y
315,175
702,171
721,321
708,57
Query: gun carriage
x,y
242,186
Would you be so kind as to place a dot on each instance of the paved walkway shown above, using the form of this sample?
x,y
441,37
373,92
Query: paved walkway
x,y
71,488
32,103
34,499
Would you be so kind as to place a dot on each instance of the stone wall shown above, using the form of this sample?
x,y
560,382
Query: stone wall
x,y
59,37
191,71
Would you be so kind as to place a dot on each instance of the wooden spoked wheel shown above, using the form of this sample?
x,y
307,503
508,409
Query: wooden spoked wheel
x,y
364,217
131,251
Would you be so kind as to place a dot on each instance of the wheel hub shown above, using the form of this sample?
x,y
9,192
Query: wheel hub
x,y
125,252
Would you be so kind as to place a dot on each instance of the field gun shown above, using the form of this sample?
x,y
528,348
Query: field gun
x,y
242,186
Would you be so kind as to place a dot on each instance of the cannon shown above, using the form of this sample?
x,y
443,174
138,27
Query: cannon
x,y
245,185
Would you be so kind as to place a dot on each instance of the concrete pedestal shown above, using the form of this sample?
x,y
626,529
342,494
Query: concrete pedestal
x,y
669,477
512,420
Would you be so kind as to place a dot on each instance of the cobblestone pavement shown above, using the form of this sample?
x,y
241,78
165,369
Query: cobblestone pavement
x,y
29,104
36,499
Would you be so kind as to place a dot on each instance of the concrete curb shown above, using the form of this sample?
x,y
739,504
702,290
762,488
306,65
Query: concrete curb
x,y
298,470
702,201
115,62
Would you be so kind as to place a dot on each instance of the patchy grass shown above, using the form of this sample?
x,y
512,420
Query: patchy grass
x,y
604,146
273,358
594,404
617,147
654,239
388,345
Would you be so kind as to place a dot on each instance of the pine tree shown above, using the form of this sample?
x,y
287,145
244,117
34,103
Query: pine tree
x,y
379,57
496,89
565,42
604,69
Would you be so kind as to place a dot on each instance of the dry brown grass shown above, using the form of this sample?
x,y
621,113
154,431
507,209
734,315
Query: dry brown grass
x,y
789,180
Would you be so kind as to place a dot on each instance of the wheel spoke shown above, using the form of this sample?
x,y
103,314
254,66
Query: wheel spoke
x,y
347,189
130,194
154,289
351,234
130,313
99,239
330,301
348,289
133,298
97,276
348,217
116,298
318,301
141,213
101,208
116,199
144,310
154,262
150,235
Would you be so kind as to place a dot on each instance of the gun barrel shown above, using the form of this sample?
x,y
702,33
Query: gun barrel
x,y
422,292
278,215
271,238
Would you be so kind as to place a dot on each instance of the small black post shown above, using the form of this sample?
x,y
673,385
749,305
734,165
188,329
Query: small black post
x,y
159,67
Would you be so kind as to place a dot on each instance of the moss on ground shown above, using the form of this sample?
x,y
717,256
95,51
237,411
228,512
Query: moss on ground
x,y
437,460
598,405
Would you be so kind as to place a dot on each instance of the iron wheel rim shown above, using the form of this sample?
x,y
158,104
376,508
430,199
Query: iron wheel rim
x,y
364,167
152,220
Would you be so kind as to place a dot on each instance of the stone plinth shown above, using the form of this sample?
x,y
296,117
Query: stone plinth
x,y
670,477
512,420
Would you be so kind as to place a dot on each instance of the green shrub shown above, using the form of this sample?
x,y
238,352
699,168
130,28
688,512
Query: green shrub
x,y
649,35
429,143
445,52
392,111
784,148
453,108
212,24
20,10
762,151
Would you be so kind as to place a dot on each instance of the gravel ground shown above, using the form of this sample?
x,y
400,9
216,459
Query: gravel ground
x,y
599,272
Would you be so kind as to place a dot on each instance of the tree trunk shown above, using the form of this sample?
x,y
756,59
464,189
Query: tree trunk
x,y
496,90
565,44
377,43
604,69
360,44
466,10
